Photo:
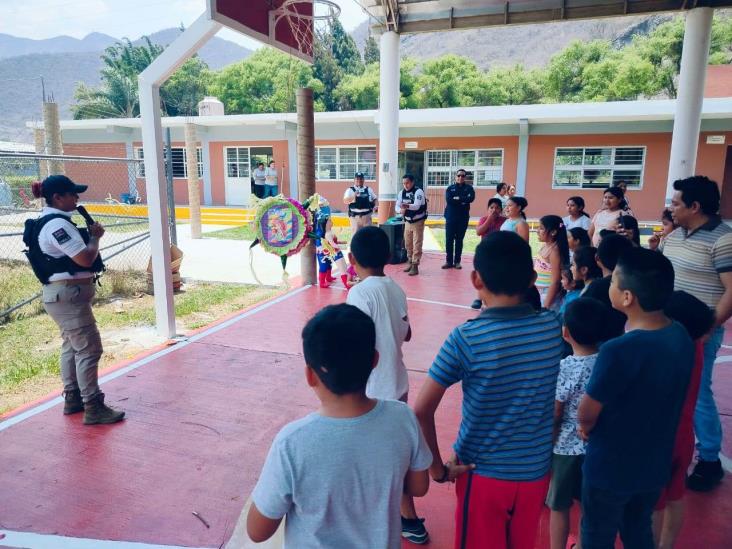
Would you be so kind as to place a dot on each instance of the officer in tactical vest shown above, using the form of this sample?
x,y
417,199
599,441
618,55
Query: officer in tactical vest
x,y
66,260
361,202
412,204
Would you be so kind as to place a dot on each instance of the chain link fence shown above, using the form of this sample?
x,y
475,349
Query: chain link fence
x,y
115,199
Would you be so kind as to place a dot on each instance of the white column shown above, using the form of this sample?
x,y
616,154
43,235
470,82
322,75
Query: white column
x,y
690,96
523,157
388,123
206,157
150,81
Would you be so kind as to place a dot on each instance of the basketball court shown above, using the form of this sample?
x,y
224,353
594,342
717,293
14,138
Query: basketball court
x,y
201,416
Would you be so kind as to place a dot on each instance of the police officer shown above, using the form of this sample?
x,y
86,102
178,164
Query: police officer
x,y
412,204
458,198
66,259
361,202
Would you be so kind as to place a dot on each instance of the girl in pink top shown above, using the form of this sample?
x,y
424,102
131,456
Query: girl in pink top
x,y
614,205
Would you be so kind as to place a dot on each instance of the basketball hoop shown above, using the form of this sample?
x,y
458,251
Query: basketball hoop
x,y
302,18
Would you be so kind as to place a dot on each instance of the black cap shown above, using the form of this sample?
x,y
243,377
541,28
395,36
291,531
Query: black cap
x,y
358,175
61,184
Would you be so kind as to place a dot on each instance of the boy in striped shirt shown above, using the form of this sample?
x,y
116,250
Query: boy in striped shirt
x,y
507,360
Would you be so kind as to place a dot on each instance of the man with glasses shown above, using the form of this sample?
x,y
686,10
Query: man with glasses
x,y
458,198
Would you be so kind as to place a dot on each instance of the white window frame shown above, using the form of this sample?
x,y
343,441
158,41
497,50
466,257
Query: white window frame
x,y
611,166
340,176
454,167
247,163
140,172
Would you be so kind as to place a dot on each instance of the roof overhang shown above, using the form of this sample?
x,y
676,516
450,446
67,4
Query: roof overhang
x,y
614,111
411,16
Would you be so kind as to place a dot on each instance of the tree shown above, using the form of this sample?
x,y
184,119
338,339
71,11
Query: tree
x,y
448,81
564,75
357,92
511,86
117,97
344,49
326,69
264,82
371,51
185,88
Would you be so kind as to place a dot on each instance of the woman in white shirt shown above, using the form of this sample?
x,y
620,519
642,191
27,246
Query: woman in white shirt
x,y
614,206
270,180
577,216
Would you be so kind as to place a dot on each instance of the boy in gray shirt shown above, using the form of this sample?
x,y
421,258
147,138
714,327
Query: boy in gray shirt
x,y
338,474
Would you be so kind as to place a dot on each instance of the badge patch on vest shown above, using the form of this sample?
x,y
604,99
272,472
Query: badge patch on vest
x,y
61,236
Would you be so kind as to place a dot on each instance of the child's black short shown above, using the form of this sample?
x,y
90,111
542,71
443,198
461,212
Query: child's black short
x,y
566,482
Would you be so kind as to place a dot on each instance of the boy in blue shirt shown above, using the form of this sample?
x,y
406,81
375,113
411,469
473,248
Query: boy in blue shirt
x,y
338,474
631,410
507,361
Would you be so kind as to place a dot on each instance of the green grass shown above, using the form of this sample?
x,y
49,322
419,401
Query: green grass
x,y
472,240
29,339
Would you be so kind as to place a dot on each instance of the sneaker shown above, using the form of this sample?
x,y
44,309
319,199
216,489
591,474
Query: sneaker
x,y
458,266
706,475
447,266
477,304
413,530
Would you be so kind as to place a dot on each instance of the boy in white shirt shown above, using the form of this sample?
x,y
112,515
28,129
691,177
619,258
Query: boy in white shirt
x,y
385,302
337,474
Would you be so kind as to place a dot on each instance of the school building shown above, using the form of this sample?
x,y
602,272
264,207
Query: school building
x,y
550,151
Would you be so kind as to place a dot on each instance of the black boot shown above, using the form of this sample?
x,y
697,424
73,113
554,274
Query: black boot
x,y
98,413
72,402
706,475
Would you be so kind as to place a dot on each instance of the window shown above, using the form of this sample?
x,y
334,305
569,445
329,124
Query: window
x,y
484,167
237,162
179,156
598,167
342,163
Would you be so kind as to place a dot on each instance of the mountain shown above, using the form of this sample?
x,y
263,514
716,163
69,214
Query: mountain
x,y
64,61
12,46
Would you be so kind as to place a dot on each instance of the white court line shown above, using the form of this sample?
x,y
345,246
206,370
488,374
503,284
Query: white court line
x,y
443,303
49,541
726,462
428,301
721,359
122,371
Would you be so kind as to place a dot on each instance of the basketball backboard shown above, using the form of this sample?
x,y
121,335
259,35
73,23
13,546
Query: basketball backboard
x,y
256,18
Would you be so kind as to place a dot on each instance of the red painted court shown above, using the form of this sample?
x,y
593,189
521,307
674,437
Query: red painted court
x,y
201,416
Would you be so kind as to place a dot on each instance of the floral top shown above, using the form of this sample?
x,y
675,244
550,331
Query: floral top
x,y
574,374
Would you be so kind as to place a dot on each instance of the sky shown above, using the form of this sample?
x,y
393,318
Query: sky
x,y
122,18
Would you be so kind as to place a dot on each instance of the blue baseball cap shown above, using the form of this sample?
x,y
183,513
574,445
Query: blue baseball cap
x,y
61,184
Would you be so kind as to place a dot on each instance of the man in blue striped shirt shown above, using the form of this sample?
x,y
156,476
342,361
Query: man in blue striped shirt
x,y
508,361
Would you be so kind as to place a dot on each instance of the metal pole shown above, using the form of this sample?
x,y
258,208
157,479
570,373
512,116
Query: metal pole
x,y
171,190
306,172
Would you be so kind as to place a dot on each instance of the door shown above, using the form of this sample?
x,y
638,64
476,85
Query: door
x,y
412,163
725,209
237,180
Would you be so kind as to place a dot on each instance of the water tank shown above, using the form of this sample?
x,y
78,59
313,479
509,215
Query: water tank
x,y
210,106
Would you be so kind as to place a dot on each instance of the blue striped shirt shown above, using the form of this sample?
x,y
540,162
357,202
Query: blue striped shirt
x,y
508,362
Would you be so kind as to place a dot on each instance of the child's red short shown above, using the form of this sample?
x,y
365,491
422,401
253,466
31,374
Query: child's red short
x,y
501,514
682,458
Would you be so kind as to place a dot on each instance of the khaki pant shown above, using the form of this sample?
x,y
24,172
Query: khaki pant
x,y
70,307
358,221
413,238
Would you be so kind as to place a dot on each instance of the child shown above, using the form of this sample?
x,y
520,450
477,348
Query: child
x,y
516,217
584,267
552,258
328,250
385,302
337,474
504,445
583,330
668,516
492,222
352,276
576,238
632,406
489,224
667,227
572,288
